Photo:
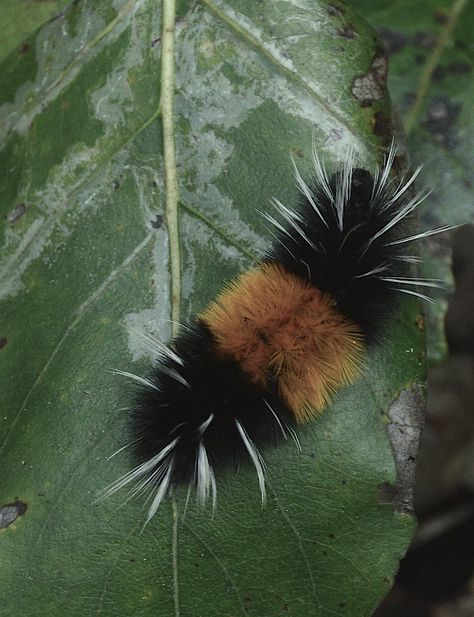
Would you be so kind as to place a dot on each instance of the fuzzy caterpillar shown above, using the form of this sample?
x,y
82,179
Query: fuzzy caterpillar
x,y
281,339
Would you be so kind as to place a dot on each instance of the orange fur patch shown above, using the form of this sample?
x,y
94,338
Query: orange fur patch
x,y
278,327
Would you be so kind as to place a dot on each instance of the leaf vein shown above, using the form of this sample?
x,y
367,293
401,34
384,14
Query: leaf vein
x,y
221,566
171,180
301,549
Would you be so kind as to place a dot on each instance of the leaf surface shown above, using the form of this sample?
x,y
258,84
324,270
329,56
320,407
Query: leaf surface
x,y
85,261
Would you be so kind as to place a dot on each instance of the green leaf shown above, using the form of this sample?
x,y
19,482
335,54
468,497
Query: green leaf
x,y
85,260
21,17
431,48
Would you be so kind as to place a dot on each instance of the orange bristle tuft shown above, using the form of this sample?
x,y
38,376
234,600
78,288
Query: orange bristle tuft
x,y
281,329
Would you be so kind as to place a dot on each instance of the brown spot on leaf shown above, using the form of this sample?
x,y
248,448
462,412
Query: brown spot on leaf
x,y
371,86
3,341
383,126
10,512
298,152
17,212
347,32
157,222
335,10
420,322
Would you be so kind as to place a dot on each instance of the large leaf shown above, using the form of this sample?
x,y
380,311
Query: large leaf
x,y
86,260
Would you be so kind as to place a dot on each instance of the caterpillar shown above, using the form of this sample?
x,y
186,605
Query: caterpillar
x,y
278,342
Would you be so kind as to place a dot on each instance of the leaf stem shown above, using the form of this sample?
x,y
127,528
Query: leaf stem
x,y
171,181
433,61
171,211
174,507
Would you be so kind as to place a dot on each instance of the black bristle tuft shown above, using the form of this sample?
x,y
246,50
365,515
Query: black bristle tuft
x,y
343,255
217,390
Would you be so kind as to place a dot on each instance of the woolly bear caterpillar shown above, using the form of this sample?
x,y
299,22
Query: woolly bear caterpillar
x,y
278,342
